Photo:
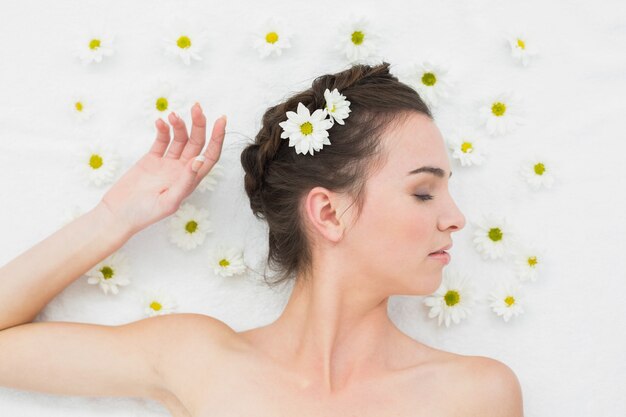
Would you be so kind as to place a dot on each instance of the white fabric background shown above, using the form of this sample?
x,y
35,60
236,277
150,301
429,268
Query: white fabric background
x,y
567,349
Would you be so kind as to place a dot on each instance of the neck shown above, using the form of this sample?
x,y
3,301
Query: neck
x,y
334,330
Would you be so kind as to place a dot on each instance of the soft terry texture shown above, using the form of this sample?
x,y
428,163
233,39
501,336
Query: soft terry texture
x,y
567,349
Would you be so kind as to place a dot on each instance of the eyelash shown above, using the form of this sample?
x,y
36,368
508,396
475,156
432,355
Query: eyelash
x,y
423,197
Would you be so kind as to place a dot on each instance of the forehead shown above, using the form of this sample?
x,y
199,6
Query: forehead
x,y
414,142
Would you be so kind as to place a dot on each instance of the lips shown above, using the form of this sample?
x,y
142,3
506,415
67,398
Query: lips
x,y
441,250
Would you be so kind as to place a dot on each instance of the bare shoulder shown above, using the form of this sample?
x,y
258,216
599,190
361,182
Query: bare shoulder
x,y
488,387
193,346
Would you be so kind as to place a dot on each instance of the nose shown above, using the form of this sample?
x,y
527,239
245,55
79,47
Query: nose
x,y
452,219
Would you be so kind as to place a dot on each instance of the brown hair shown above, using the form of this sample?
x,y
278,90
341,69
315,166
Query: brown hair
x,y
276,178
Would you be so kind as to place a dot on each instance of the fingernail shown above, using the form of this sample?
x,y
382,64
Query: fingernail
x,y
197,163
198,104
225,118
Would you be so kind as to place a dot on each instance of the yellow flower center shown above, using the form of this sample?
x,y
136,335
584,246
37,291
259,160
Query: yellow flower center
x,y
495,234
452,297
79,106
155,305
332,110
467,147
510,300
107,272
183,42
94,44
271,37
95,161
224,263
161,104
521,44
532,261
306,128
191,226
539,168
357,37
498,108
429,79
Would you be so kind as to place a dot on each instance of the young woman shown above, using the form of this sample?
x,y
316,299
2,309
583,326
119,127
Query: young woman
x,y
356,199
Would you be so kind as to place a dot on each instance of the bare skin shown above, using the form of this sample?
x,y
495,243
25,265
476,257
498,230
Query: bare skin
x,y
332,352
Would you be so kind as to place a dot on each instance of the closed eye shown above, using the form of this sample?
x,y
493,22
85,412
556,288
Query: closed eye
x,y
424,197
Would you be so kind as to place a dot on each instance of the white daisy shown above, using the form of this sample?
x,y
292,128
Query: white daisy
x,y
521,48
493,237
81,108
184,40
110,273
97,161
71,213
431,81
209,182
337,106
157,302
271,38
506,300
467,147
189,226
94,45
501,113
453,300
529,262
161,98
306,132
226,261
356,40
537,172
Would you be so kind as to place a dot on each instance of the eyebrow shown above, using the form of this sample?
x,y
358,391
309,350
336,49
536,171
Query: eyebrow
x,y
432,170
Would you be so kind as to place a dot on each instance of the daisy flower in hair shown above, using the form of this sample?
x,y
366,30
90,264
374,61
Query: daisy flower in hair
x,y
110,273
272,37
157,302
94,45
189,226
467,147
431,81
506,300
537,172
356,39
160,99
226,261
307,132
522,48
454,300
184,40
501,113
97,162
529,261
81,107
493,237
209,182
337,106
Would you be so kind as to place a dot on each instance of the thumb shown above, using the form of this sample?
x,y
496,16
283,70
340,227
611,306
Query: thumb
x,y
188,177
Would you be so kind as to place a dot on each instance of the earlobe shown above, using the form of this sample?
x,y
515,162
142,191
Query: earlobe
x,y
321,208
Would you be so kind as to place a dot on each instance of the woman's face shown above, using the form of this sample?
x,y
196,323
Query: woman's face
x,y
398,230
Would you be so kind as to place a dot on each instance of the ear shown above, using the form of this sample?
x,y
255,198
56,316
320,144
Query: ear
x,y
322,208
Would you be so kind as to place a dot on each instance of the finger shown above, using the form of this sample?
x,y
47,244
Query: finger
x,y
162,139
180,136
214,148
198,134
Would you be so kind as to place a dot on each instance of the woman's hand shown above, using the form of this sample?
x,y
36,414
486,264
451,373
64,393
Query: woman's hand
x,y
155,186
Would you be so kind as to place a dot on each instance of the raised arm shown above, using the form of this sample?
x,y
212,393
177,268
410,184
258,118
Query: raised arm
x,y
149,191
138,359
